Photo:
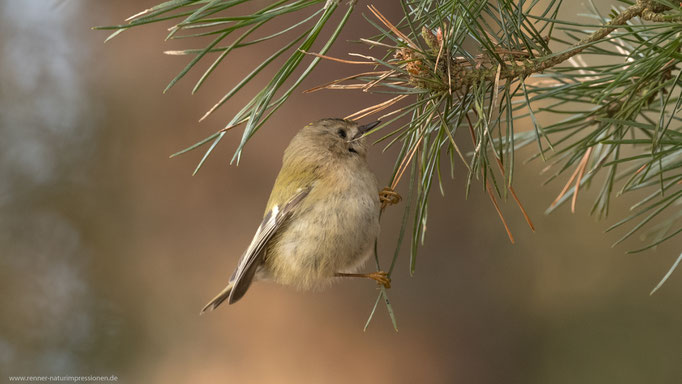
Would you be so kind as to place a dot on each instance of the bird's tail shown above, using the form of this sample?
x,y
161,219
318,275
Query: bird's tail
x,y
222,296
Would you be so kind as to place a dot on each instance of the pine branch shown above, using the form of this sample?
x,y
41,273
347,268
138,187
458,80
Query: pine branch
x,y
464,75
201,15
482,66
518,67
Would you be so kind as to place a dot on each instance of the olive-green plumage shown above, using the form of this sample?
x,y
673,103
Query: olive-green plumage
x,y
331,225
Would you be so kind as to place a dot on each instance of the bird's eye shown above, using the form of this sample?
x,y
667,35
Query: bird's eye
x,y
341,133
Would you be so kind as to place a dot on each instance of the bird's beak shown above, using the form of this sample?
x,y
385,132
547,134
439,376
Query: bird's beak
x,y
365,128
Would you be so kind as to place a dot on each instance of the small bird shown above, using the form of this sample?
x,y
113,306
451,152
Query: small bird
x,y
322,217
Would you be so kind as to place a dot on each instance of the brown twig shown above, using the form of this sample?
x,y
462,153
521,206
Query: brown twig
x,y
566,187
516,198
577,173
337,81
582,166
321,56
392,27
499,212
375,108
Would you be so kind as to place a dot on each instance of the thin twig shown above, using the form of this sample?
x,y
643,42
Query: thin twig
x,y
392,27
566,187
378,80
516,198
351,77
336,59
581,166
499,212
375,108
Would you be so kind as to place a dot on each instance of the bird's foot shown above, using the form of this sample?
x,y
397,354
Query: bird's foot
x,y
380,277
388,196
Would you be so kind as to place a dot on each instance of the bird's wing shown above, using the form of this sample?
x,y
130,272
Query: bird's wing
x,y
253,256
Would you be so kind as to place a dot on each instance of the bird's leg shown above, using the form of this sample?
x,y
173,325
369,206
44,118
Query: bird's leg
x,y
388,196
380,277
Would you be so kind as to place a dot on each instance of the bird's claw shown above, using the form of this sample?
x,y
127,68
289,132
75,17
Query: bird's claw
x,y
388,196
382,278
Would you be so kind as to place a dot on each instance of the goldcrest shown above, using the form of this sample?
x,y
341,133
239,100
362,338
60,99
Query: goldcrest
x,y
322,217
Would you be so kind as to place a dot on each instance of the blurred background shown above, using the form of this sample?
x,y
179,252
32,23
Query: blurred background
x,y
109,249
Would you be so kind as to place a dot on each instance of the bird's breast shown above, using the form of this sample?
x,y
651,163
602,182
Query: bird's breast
x,y
333,230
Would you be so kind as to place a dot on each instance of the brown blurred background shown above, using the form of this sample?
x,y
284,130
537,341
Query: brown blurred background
x,y
108,249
